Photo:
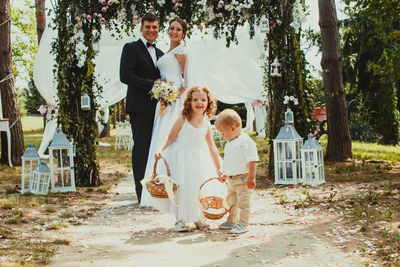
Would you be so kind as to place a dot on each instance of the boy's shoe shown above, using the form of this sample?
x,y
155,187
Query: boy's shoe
x,y
238,229
202,226
226,226
180,226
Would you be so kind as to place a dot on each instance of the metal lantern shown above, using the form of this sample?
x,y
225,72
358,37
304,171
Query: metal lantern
x,y
312,161
287,158
40,180
61,164
275,68
30,161
85,102
264,25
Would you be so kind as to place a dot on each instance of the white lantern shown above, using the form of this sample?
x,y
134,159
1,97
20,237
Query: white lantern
x,y
287,158
85,102
96,46
40,180
61,164
30,161
275,68
264,25
312,162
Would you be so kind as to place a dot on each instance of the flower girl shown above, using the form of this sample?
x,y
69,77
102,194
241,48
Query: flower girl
x,y
192,156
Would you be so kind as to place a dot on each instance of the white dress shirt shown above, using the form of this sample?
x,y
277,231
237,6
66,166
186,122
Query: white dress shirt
x,y
237,155
152,50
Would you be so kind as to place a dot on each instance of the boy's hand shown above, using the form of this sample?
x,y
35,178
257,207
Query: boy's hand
x,y
251,183
222,178
158,155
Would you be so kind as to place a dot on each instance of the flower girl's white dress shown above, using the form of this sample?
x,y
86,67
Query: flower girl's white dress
x,y
191,164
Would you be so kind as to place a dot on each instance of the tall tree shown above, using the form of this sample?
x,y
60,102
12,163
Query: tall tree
x,y
8,92
339,141
40,18
371,56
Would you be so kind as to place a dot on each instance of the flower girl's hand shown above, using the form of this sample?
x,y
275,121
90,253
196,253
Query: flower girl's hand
x,y
158,155
251,183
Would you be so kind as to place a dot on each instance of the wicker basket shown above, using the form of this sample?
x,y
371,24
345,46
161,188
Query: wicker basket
x,y
158,190
212,202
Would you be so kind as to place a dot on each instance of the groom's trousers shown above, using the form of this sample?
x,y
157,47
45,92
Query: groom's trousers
x,y
142,127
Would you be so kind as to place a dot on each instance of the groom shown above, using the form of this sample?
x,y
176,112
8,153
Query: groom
x,y
138,70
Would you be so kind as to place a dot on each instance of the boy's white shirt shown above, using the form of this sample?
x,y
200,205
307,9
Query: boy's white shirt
x,y
237,155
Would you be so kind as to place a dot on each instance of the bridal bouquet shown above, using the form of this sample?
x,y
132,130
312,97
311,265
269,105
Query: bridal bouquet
x,y
165,92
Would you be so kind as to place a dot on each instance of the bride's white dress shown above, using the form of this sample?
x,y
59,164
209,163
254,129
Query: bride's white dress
x,y
170,70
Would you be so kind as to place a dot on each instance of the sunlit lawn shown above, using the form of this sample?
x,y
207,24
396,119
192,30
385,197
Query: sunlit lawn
x,y
371,151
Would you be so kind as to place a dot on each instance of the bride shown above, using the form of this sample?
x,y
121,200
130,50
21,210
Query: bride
x,y
172,67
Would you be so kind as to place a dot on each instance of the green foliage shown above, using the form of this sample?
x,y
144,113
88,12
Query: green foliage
x,y
32,98
75,75
360,130
371,62
24,40
284,44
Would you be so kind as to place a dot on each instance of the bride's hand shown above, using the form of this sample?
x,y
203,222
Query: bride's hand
x,y
158,155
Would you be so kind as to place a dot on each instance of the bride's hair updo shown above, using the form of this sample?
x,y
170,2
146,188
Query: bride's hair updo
x,y
211,102
183,24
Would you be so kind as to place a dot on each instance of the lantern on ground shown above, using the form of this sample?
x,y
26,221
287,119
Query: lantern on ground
x,y
40,180
287,158
30,161
85,102
61,156
312,162
275,68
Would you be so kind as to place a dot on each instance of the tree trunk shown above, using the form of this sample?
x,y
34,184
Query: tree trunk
x,y
40,18
8,94
339,141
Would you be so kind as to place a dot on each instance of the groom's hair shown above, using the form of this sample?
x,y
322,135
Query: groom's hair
x,y
149,17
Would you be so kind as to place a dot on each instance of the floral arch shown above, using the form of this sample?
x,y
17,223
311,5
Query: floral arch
x,y
75,71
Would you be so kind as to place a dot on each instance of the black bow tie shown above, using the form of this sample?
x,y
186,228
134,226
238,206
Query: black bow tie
x,y
149,44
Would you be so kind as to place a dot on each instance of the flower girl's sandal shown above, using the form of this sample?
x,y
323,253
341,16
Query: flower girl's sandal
x,y
202,226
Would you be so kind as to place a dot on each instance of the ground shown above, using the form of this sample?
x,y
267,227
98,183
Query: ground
x,y
123,234
334,224
351,220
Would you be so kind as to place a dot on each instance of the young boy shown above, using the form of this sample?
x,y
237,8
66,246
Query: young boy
x,y
239,167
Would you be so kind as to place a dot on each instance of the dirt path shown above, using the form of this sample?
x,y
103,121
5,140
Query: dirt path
x,y
122,234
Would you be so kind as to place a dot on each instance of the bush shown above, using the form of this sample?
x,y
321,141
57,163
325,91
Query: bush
x,y
361,130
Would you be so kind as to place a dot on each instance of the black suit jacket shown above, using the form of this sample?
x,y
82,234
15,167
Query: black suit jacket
x,y
137,70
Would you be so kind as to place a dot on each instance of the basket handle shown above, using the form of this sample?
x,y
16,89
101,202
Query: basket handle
x,y
155,168
206,181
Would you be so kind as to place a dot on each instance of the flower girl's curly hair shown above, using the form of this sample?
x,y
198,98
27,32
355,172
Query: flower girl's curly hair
x,y
211,105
